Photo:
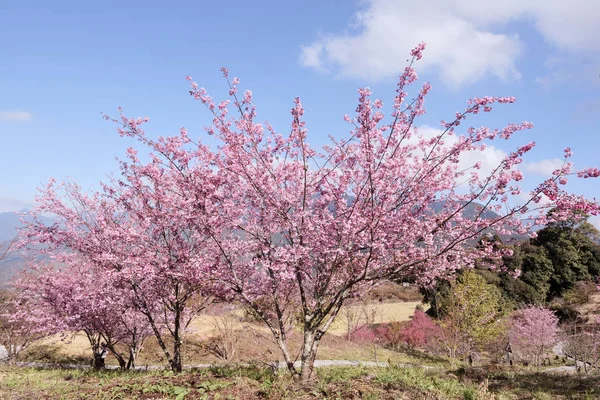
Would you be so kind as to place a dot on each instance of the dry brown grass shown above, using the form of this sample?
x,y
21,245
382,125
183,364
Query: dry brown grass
x,y
591,309
382,312
394,292
255,342
255,346
74,345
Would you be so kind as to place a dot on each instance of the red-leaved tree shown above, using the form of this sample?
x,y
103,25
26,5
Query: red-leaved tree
x,y
420,330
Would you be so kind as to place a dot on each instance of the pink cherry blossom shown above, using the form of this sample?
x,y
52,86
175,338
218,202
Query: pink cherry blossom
x,y
293,231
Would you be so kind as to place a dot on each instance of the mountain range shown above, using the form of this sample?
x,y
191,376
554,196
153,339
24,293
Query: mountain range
x,y
14,261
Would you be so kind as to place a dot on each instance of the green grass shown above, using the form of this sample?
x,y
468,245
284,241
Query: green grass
x,y
255,382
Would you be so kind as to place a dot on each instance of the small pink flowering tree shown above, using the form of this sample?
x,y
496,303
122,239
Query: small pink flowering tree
x,y
80,298
533,332
16,333
133,232
420,331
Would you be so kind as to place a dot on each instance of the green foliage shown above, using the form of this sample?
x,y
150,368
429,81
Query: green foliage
x,y
472,312
434,295
573,253
536,272
552,265
421,379
470,394
565,312
396,381
251,371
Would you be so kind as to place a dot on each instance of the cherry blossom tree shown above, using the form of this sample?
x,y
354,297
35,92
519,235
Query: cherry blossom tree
x,y
131,231
534,330
288,229
16,333
385,202
80,298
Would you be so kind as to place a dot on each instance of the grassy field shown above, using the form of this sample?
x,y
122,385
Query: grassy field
x,y
253,347
430,378
254,340
261,383
378,312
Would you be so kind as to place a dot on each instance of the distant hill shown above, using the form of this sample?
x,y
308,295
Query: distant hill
x,y
10,222
471,211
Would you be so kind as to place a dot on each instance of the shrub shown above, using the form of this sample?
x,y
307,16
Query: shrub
x,y
580,293
364,334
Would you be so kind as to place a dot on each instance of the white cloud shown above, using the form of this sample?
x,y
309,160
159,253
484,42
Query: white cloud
x,y
526,196
587,109
543,167
15,116
489,158
466,39
311,56
572,69
571,25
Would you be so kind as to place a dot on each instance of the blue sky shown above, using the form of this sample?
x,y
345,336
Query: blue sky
x,y
66,62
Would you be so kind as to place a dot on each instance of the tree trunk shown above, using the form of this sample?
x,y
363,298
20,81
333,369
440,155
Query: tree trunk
x,y
122,363
163,346
98,362
286,355
307,365
452,354
309,354
159,337
117,355
176,365
12,354
314,329
131,360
